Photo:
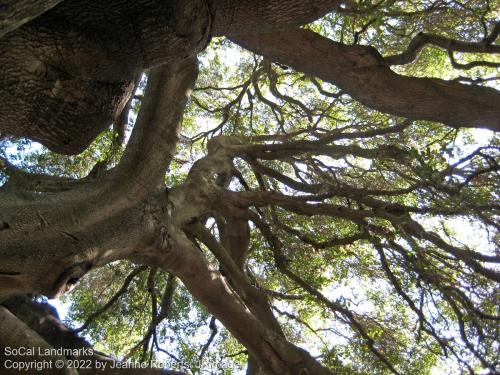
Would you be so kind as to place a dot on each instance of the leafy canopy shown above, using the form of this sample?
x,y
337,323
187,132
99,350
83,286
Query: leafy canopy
x,y
375,237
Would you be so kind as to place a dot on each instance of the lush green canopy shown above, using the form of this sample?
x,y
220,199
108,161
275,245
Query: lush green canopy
x,y
375,237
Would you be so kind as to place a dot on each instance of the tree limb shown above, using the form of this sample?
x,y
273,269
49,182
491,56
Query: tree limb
x,y
363,74
153,141
16,334
451,45
15,13
257,16
43,322
22,180
126,283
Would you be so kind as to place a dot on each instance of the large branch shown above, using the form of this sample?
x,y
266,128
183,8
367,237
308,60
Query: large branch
x,y
80,225
63,91
232,300
40,321
152,144
178,255
256,16
15,334
362,73
22,180
15,13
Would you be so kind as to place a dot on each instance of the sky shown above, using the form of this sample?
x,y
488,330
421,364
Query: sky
x,y
466,231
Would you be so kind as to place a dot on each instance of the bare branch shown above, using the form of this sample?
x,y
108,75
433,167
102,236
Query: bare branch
x,y
124,288
448,44
213,332
362,73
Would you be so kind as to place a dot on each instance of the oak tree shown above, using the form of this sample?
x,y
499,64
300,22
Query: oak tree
x,y
278,187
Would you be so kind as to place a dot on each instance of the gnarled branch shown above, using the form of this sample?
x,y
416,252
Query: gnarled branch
x,y
362,73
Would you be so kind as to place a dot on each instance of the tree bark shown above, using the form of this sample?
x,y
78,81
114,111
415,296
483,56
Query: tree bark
x,y
273,352
15,334
363,74
41,322
253,367
67,233
67,74
15,13
234,17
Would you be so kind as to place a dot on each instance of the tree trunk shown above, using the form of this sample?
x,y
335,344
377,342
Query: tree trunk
x,y
253,367
65,234
66,75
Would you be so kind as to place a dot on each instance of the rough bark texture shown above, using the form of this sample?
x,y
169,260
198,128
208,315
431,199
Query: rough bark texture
x,y
54,92
249,17
41,323
68,233
364,75
15,13
53,231
67,75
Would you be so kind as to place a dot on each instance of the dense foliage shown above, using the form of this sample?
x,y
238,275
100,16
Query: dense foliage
x,y
375,237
